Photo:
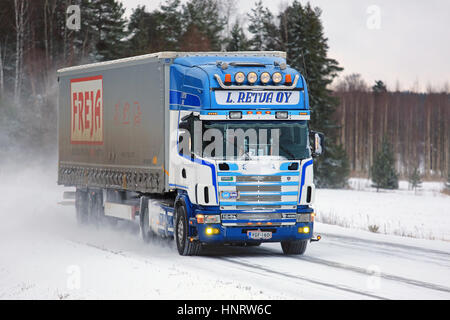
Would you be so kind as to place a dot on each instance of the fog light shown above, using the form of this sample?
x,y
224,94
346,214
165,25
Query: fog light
x,y
210,231
303,230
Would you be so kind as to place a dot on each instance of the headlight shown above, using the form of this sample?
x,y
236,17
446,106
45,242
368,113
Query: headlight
x,y
277,77
265,77
252,77
239,77
212,218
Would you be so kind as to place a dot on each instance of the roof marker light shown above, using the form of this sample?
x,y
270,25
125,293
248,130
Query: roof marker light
x,y
235,114
281,114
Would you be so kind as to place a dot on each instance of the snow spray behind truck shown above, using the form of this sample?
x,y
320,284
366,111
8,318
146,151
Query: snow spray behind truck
x,y
205,147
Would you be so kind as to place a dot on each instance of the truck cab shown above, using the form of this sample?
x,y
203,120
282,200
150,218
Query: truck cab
x,y
241,153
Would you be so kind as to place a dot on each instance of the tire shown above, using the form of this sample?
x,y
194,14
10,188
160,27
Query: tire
x,y
184,246
252,244
294,247
81,207
146,233
92,210
95,208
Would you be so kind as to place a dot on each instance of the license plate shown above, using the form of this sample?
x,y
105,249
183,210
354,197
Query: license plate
x,y
259,235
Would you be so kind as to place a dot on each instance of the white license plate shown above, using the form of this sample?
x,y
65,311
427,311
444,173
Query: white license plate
x,y
259,235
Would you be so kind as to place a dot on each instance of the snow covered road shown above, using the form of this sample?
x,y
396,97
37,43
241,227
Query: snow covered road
x,y
43,254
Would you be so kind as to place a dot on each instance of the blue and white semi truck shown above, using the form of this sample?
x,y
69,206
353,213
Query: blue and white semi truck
x,y
204,147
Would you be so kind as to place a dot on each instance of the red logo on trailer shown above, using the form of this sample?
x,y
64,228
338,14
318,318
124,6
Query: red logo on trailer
x,y
86,97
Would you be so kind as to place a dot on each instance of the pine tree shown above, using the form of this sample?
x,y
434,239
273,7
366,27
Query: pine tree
x,y
102,32
383,171
202,26
379,86
171,24
338,169
415,179
306,45
145,34
265,32
238,41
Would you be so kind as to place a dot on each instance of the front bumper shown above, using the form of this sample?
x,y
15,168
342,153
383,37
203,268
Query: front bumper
x,y
239,234
225,232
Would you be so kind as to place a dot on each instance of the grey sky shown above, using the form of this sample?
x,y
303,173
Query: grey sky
x,y
400,40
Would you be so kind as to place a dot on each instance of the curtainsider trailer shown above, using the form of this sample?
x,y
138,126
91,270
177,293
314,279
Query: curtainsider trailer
x,y
204,147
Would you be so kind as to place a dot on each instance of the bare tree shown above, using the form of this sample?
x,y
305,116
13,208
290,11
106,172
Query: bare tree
x,y
228,9
2,78
352,82
20,9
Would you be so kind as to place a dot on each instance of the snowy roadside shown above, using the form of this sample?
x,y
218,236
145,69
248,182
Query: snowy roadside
x,y
44,255
420,214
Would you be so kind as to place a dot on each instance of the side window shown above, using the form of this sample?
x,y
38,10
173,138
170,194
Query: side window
x,y
186,135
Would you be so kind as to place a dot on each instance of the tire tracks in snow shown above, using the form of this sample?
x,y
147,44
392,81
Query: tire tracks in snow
x,y
441,257
309,259
301,278
249,268
387,276
382,275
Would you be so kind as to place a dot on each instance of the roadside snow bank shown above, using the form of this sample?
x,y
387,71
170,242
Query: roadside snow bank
x,y
422,214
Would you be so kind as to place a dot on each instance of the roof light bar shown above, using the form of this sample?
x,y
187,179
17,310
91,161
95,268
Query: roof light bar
x,y
265,77
239,77
277,77
252,77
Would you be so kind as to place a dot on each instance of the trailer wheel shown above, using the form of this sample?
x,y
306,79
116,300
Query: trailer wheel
x,y
95,208
81,207
184,245
294,247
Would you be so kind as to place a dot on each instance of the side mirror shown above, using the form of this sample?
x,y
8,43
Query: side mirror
x,y
317,143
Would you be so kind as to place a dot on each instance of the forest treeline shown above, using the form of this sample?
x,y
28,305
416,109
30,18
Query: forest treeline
x,y
416,124
35,41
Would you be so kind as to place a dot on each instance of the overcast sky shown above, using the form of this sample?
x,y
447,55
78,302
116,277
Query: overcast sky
x,y
398,40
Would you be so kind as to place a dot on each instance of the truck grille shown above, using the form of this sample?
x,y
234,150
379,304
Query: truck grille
x,y
257,187
260,197
258,178
256,191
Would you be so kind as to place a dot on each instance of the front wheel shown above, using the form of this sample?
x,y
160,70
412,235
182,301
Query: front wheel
x,y
294,247
184,245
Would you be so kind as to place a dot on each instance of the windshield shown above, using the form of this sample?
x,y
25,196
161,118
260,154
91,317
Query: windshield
x,y
247,140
